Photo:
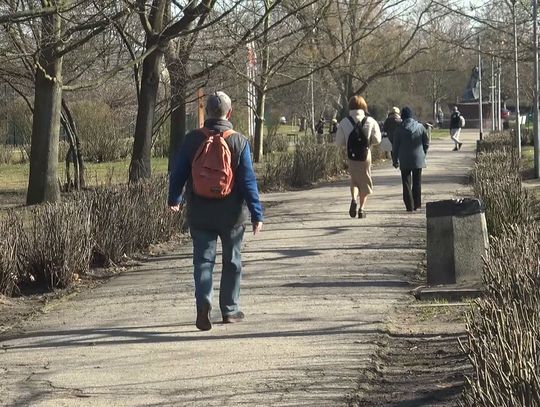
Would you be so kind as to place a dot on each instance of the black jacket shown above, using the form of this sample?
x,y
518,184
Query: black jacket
x,y
390,125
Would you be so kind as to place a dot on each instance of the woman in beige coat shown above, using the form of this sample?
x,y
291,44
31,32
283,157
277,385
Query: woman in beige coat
x,y
361,183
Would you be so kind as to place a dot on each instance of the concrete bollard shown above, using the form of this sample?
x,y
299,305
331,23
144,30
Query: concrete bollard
x,y
457,238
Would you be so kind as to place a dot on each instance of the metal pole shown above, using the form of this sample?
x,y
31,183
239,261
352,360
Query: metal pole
x,y
492,94
536,93
312,103
480,113
499,105
516,77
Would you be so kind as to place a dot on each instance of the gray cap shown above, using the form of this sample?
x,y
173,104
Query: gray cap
x,y
218,104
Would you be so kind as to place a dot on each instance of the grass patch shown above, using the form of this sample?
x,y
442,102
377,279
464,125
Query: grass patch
x,y
14,177
527,161
439,134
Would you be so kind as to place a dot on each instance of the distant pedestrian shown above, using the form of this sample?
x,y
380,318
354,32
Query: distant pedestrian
x,y
217,191
393,120
456,123
319,129
411,144
440,118
357,133
333,130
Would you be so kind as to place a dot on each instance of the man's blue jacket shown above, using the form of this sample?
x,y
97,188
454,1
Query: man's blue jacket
x,y
216,214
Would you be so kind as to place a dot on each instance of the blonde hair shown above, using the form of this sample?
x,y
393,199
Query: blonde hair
x,y
357,102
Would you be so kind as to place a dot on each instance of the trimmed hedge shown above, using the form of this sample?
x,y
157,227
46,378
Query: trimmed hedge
x,y
503,343
308,163
51,245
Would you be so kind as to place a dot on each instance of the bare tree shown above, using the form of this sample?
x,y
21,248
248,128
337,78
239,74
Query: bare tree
x,y
64,27
160,27
369,39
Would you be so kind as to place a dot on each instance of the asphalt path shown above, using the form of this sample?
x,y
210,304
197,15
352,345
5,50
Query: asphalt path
x,y
318,287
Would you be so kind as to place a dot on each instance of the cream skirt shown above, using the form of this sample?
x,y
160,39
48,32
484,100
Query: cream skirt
x,y
361,175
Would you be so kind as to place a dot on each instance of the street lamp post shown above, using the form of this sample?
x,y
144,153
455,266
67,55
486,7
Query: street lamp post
x,y
516,77
480,113
536,91
499,102
492,94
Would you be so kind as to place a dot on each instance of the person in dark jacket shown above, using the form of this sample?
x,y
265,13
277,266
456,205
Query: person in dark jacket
x,y
391,123
456,123
210,218
411,143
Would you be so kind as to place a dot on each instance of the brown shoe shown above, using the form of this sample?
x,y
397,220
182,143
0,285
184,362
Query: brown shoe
x,y
233,318
203,318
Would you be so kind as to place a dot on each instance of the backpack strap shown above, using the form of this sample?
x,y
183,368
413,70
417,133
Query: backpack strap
x,y
207,132
363,121
354,123
228,133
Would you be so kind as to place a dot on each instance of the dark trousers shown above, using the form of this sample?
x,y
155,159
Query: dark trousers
x,y
412,188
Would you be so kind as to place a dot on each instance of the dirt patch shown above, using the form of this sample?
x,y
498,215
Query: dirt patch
x,y
419,362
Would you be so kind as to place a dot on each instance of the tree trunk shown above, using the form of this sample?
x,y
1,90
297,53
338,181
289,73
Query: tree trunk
x,y
43,180
74,154
346,94
177,66
259,124
140,166
261,91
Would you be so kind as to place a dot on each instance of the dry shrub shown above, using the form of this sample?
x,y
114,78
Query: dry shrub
x,y
496,142
276,171
504,330
58,241
310,162
128,218
313,162
275,143
503,343
11,236
104,137
6,153
58,244
497,182
377,154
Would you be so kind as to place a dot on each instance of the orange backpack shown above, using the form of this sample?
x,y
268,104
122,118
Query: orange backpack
x,y
211,169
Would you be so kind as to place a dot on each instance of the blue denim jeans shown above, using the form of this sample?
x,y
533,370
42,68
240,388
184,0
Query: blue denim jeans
x,y
204,259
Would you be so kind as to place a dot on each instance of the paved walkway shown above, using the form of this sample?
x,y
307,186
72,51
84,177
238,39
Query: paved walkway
x,y
317,289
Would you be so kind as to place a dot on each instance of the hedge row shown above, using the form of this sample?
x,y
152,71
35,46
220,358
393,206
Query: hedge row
x,y
50,245
497,181
308,163
503,343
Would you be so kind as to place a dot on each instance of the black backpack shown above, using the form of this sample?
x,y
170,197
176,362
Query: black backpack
x,y
358,142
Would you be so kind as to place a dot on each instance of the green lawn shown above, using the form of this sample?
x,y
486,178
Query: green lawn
x,y
438,134
14,177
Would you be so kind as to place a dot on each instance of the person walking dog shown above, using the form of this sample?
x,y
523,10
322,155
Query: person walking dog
x,y
214,163
357,133
411,143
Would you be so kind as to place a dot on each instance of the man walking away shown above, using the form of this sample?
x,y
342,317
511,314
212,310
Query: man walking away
x,y
214,163
411,144
456,123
